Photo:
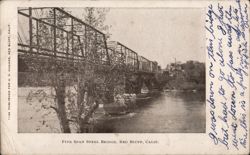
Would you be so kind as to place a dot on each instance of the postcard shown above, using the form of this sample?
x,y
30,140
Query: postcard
x,y
125,77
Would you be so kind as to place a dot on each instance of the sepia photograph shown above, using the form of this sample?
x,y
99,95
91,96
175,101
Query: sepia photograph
x,y
124,77
111,70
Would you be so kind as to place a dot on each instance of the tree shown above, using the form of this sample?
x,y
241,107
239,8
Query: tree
x,y
190,72
79,85
96,17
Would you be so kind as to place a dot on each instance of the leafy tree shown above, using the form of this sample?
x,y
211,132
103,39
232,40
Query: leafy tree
x,y
96,17
79,86
190,72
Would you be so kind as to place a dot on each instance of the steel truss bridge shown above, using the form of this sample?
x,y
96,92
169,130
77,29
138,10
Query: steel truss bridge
x,y
53,32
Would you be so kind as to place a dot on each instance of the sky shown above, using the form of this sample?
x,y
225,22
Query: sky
x,y
160,34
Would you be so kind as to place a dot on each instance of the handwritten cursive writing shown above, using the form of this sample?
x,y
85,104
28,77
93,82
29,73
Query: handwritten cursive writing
x,y
227,36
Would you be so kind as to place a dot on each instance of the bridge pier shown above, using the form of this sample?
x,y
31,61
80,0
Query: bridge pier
x,y
133,83
149,80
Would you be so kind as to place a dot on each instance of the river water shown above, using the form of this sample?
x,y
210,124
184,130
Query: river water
x,y
171,112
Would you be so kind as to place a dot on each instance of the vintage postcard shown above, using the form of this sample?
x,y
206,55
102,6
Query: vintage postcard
x,y
125,77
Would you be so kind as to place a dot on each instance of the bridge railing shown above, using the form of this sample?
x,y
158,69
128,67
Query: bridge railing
x,y
153,66
115,57
128,56
144,64
54,32
131,57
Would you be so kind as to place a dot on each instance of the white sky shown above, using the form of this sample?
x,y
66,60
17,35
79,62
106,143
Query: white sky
x,y
160,34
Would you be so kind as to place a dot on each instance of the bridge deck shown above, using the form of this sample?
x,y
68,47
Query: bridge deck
x,y
52,32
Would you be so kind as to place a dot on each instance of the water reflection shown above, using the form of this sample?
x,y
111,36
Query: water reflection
x,y
171,112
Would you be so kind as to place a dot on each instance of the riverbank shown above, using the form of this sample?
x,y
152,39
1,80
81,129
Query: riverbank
x,y
165,112
126,103
170,112
183,85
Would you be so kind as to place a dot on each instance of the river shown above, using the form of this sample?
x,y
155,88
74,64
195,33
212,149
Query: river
x,y
171,112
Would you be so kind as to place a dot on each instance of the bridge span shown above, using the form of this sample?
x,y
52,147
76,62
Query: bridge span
x,y
54,34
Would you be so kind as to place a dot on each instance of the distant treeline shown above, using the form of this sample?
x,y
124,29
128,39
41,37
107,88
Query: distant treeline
x,y
185,76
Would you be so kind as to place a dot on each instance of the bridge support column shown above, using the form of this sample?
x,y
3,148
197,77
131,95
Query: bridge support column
x,y
149,80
